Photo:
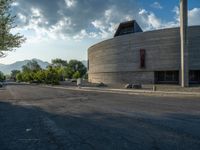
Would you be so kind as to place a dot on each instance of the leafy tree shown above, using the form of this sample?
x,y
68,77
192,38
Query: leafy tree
x,y
19,77
76,65
31,66
76,75
52,76
59,62
32,72
61,73
8,40
68,72
14,74
40,76
2,77
27,76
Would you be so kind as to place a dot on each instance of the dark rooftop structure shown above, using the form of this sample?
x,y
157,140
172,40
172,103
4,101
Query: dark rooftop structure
x,y
128,28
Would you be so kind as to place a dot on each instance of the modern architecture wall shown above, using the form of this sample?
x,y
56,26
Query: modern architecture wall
x,y
117,60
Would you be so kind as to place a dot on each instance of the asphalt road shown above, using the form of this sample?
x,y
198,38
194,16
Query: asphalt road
x,y
41,118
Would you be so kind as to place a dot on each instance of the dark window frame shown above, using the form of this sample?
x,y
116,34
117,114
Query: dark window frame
x,y
166,77
142,58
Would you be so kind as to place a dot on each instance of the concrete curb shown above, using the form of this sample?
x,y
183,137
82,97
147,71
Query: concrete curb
x,y
126,91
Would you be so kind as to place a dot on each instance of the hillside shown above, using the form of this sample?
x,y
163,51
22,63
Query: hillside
x,y
6,69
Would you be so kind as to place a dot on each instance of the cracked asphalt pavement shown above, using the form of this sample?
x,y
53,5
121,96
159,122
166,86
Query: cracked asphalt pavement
x,y
42,118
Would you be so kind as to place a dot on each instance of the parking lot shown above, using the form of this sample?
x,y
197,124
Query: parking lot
x,y
35,117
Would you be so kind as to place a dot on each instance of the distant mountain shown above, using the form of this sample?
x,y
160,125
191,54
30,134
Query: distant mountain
x,y
6,69
2,65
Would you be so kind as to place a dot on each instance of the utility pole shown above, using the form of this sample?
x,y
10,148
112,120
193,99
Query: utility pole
x,y
184,43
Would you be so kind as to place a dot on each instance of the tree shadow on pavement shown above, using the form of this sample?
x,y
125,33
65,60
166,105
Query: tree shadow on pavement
x,y
28,127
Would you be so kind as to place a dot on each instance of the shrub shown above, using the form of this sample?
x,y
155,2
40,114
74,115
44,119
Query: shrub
x,y
19,77
52,76
76,75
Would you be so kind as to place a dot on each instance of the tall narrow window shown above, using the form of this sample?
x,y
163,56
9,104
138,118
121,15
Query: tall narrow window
x,y
88,65
142,58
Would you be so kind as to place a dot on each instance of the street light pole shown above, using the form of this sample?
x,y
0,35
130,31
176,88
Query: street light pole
x,y
184,43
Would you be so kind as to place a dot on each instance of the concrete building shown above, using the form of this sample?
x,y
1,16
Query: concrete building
x,y
161,56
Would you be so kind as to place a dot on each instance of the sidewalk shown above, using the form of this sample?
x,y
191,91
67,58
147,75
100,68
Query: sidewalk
x,y
127,91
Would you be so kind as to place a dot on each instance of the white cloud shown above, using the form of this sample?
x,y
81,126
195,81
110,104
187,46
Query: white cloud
x,y
22,17
156,5
149,20
37,29
106,30
14,4
194,16
81,35
108,23
103,25
49,17
176,10
98,24
36,12
70,3
64,23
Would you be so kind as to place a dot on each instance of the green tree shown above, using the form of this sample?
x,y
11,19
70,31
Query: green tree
x,y
76,75
19,77
61,73
31,66
52,76
76,65
40,76
59,62
14,74
27,76
68,72
29,71
8,40
2,77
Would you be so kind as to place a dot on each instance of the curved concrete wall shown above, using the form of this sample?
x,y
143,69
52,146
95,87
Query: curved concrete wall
x,y
118,60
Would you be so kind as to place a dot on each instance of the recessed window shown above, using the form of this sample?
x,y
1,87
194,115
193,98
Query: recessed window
x,y
167,77
194,76
142,58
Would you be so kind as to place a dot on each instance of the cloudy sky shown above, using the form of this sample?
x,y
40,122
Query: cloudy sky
x,y
66,28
